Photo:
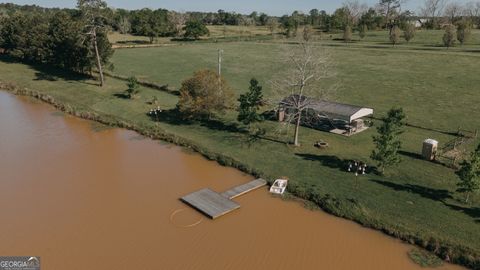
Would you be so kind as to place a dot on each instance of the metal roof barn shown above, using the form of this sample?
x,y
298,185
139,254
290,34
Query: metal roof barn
x,y
332,110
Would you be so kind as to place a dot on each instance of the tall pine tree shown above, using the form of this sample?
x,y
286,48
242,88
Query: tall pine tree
x,y
387,142
469,174
250,103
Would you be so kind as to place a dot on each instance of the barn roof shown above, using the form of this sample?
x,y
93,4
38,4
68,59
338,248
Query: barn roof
x,y
333,110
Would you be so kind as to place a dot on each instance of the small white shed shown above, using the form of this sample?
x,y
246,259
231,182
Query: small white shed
x,y
429,150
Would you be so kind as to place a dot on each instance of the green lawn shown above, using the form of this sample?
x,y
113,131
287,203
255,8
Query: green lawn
x,y
435,89
216,32
236,31
439,90
424,40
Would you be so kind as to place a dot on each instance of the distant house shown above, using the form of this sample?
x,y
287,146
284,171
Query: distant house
x,y
420,23
329,116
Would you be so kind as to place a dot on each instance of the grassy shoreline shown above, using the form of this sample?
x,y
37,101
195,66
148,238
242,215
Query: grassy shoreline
x,y
349,209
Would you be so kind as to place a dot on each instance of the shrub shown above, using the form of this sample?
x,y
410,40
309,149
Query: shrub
x,y
424,258
133,87
363,31
449,37
347,34
464,31
204,94
409,32
395,35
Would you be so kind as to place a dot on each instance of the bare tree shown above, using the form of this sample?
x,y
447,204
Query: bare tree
x,y
453,11
178,19
450,36
246,22
305,78
95,21
308,33
477,13
389,8
354,10
432,9
409,32
395,35
472,11
464,31
347,34
272,24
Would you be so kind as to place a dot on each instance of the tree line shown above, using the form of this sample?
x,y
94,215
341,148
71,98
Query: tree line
x,y
385,14
73,39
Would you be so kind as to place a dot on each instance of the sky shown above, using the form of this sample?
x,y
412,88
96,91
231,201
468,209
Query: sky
x,y
271,7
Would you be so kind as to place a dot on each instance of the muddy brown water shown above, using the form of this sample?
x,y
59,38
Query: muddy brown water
x,y
86,199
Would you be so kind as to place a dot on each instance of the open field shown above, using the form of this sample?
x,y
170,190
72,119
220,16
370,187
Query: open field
x,y
235,31
438,90
424,39
216,32
428,85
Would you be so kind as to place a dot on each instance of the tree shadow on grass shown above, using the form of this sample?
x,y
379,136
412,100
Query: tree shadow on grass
x,y
172,117
218,125
251,138
183,39
265,138
40,76
136,42
440,195
328,161
473,212
343,40
52,74
411,155
446,132
420,157
175,117
429,193
121,95
471,51
45,72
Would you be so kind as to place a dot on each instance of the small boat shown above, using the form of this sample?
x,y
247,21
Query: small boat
x,y
279,186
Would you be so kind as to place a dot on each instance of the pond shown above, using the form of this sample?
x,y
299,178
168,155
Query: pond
x,y
85,197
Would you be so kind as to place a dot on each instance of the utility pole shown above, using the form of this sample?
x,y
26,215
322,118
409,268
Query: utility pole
x,y
220,54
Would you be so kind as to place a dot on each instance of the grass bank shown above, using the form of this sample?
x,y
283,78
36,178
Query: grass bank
x,y
415,202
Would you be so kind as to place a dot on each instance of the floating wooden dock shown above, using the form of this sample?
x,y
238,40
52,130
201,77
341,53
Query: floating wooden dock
x,y
214,204
210,203
240,190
